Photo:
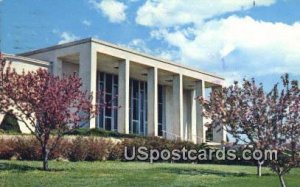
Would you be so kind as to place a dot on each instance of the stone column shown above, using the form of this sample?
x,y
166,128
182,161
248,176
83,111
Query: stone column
x,y
152,92
88,73
123,97
200,128
178,106
219,134
193,116
57,67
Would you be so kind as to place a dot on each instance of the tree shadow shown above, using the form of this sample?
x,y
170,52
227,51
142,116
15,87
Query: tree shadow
x,y
181,171
23,168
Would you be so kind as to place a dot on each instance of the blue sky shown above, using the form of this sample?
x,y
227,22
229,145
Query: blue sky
x,y
233,38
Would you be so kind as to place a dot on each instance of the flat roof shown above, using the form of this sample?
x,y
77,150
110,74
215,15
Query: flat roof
x,y
101,42
25,59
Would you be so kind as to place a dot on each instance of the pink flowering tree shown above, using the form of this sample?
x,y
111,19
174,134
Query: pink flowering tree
x,y
264,121
4,70
46,104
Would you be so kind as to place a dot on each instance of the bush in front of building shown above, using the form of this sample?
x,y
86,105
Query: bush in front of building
x,y
93,148
89,149
100,133
84,148
77,149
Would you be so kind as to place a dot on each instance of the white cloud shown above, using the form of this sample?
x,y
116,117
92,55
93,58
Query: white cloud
x,y
140,45
86,23
238,44
157,13
67,37
112,9
233,47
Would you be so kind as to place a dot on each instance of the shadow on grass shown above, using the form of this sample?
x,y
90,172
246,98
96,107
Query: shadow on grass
x,y
23,167
181,171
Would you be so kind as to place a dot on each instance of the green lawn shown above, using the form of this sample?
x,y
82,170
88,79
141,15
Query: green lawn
x,y
23,173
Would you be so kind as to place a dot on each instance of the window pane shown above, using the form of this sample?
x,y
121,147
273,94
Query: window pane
x,y
100,122
160,94
101,86
116,120
135,127
101,76
141,85
115,79
142,101
108,83
108,98
135,88
135,109
116,90
142,122
160,130
160,114
107,123
108,112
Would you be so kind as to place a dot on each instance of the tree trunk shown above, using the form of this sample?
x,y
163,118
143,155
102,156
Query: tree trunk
x,y
258,168
282,182
45,158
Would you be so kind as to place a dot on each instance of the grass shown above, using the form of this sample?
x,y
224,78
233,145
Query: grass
x,y
28,173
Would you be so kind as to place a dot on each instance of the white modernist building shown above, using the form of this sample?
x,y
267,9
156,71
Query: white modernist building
x,y
156,96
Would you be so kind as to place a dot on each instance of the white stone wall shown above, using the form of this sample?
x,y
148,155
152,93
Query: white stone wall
x,y
169,113
21,64
69,68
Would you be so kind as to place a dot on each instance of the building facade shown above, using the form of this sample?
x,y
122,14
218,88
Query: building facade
x,y
146,95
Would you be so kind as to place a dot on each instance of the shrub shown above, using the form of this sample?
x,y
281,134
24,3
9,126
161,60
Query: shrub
x,y
62,150
98,149
88,148
26,148
101,133
116,152
6,148
79,149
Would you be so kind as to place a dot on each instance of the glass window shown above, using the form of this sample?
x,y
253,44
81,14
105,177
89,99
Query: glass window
x,y
142,101
108,123
160,113
108,111
116,120
116,80
109,83
160,94
142,122
101,76
135,86
107,118
135,126
160,133
160,110
135,110
116,90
